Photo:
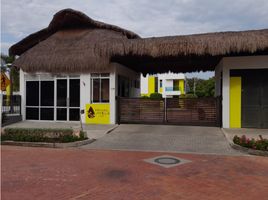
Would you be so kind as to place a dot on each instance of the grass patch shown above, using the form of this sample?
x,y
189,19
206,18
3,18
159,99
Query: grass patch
x,y
42,135
259,144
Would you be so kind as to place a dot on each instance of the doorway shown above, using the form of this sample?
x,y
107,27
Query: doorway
x,y
254,97
53,99
68,99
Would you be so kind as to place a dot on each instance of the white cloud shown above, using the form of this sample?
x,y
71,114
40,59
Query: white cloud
x,y
146,17
4,47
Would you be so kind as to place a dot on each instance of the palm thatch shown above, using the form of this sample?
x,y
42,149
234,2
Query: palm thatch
x,y
70,51
65,19
75,43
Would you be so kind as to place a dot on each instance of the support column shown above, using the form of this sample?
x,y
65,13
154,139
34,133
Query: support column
x,y
226,97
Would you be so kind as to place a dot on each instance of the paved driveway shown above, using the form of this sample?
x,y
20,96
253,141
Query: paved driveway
x,y
165,138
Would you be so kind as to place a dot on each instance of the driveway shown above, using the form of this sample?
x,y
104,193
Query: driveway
x,y
192,139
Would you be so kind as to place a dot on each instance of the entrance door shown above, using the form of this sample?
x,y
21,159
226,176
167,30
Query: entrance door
x,y
68,100
255,99
264,97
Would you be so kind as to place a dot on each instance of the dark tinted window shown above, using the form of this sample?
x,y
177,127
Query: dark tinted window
x,y
74,114
105,90
32,93
32,113
47,93
62,93
96,90
74,93
47,114
61,114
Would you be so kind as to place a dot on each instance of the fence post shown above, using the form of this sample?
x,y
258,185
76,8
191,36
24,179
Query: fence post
x,y
165,110
219,111
118,109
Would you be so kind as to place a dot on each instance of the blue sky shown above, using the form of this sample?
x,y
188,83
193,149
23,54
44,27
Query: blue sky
x,y
145,17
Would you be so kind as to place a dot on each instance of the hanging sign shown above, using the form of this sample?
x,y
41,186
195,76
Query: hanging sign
x,y
97,113
4,81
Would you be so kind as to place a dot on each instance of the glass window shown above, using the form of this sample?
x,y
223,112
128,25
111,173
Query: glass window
x,y
96,90
74,114
74,93
62,114
105,90
47,93
32,93
62,93
47,113
100,89
32,113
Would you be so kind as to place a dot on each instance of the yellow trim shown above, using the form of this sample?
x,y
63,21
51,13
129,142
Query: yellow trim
x,y
181,86
151,85
235,102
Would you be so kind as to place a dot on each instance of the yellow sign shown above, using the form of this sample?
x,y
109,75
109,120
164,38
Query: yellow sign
x,y
97,113
4,81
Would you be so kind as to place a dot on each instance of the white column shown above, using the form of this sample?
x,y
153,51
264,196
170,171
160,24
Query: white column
x,y
112,98
225,97
85,93
23,94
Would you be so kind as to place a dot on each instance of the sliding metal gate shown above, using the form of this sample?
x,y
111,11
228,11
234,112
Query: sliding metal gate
x,y
199,111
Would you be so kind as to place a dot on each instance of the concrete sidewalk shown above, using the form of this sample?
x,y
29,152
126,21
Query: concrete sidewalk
x,y
93,131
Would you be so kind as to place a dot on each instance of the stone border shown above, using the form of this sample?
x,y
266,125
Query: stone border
x,y
244,149
48,145
112,129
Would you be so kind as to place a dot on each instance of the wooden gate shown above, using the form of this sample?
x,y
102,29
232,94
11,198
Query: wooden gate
x,y
180,111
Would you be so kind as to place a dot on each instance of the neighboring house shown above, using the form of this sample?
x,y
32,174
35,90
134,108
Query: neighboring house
x,y
79,65
168,84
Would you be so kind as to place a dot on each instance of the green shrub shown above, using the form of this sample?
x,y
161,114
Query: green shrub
x,y
156,96
41,135
187,96
145,97
260,144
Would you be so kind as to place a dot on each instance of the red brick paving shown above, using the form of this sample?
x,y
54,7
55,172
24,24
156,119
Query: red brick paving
x,y
39,173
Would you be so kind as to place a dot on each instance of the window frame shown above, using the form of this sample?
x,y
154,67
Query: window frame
x,y
100,77
39,78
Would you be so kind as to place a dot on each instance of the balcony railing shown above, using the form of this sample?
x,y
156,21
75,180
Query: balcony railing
x,y
171,89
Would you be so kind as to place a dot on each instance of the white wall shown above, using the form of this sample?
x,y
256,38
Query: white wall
x,y
23,94
85,93
144,84
228,63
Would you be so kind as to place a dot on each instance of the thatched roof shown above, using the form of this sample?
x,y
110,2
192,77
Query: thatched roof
x,y
65,19
188,52
75,43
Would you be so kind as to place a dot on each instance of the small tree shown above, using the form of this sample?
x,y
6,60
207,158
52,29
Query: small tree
x,y
156,96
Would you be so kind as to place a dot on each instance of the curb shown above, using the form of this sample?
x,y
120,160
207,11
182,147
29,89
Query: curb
x,y
244,149
48,145
112,129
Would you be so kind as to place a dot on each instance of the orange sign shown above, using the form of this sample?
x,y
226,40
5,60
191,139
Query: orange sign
x,y
4,81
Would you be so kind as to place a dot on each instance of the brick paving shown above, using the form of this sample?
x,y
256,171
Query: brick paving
x,y
77,174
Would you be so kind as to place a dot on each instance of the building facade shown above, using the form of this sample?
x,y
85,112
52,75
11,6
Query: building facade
x,y
65,97
168,84
243,84
77,67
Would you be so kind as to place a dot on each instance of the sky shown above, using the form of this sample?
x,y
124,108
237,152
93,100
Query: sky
x,y
147,18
